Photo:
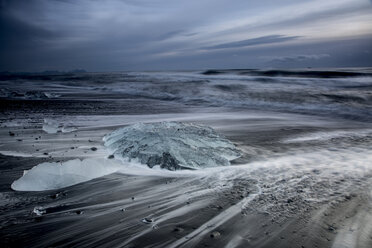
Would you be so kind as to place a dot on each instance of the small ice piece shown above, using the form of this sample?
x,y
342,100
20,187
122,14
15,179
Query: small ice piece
x,y
48,176
172,145
215,235
39,211
55,196
51,126
68,129
147,220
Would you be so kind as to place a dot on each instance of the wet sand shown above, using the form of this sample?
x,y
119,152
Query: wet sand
x,y
302,181
203,215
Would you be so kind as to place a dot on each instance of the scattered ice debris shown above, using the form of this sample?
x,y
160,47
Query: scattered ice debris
x,y
47,176
172,145
55,196
147,220
53,126
39,211
215,235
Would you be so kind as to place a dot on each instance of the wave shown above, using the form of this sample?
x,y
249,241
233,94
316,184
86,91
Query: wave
x,y
331,135
341,93
288,73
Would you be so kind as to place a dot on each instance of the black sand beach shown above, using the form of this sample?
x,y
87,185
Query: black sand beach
x,y
303,178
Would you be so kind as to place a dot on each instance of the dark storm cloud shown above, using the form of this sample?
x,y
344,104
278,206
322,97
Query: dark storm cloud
x,y
269,39
174,34
17,34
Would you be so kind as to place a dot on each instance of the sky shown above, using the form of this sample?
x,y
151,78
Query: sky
x,y
125,35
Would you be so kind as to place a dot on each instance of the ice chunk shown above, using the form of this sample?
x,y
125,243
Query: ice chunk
x,y
53,126
39,211
68,129
172,145
47,176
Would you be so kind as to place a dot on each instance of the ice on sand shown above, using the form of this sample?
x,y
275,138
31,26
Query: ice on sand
x,y
52,126
172,145
48,176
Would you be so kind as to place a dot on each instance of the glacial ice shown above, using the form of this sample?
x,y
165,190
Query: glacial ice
x,y
172,145
48,176
39,211
52,126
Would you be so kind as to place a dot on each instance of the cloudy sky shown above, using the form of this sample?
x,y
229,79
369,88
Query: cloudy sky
x,y
119,35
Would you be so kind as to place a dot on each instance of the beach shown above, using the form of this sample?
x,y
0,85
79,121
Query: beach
x,y
303,178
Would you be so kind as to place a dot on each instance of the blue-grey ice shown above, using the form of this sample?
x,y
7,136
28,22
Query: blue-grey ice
x,y
49,176
172,145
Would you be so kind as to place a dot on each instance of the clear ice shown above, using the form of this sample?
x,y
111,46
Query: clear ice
x,y
172,145
52,126
48,176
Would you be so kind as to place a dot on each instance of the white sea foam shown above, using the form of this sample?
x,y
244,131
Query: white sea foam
x,y
16,154
324,136
47,176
